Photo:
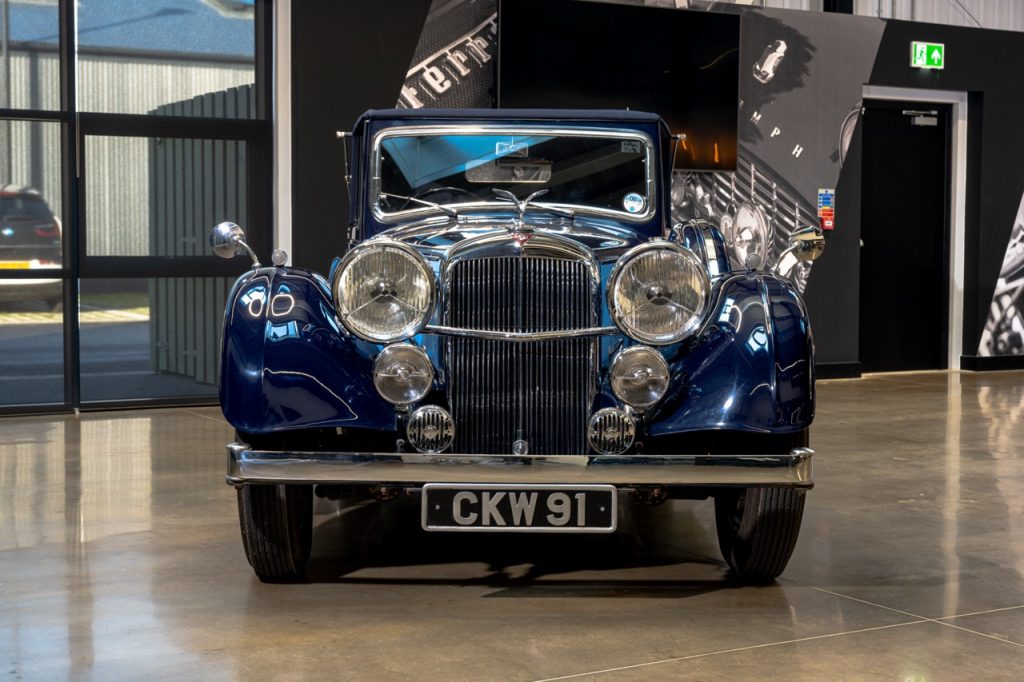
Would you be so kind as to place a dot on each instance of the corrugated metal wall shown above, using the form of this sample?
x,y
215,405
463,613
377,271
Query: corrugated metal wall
x,y
193,184
117,169
1000,14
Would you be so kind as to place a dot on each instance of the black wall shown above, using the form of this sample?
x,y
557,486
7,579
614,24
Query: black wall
x,y
347,57
982,63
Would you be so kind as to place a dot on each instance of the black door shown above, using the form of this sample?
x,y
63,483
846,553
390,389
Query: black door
x,y
904,261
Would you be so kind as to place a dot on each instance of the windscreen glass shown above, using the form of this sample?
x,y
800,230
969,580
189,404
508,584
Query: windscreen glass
x,y
601,173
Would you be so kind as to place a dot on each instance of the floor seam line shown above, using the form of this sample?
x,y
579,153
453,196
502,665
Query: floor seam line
x,y
734,650
937,621
980,634
869,603
980,613
204,416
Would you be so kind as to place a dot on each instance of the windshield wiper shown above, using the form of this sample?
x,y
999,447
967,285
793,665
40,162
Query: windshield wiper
x,y
441,207
523,204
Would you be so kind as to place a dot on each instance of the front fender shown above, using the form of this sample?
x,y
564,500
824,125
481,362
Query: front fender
x,y
750,369
287,362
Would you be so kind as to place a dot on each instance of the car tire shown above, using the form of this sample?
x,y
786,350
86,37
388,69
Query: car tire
x,y
758,529
277,529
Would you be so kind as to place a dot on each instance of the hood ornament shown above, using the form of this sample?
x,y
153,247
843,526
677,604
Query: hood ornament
x,y
519,224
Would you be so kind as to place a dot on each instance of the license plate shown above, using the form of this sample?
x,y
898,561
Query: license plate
x,y
15,265
520,508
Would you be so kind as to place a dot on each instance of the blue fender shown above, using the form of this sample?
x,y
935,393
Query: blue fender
x,y
287,363
750,369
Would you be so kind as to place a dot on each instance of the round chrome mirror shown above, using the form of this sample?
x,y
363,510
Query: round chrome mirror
x,y
807,243
225,238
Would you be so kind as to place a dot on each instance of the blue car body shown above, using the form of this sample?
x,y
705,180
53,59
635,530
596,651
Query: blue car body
x,y
289,364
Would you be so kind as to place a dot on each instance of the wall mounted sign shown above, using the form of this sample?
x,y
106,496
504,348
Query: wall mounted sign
x,y
827,208
927,55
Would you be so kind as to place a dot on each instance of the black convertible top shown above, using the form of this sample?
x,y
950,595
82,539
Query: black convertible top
x,y
621,115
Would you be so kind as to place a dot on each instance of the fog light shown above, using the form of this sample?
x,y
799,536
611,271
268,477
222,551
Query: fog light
x,y
403,374
639,376
611,431
430,429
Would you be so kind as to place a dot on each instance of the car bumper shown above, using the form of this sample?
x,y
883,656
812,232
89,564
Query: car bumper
x,y
29,289
245,465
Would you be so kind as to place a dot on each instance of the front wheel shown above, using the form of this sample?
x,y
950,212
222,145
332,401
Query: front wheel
x,y
277,528
757,530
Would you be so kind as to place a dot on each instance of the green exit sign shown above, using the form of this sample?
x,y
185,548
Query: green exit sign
x,y
927,55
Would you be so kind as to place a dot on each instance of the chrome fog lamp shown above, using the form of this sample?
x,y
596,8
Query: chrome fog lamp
x,y
639,376
384,291
430,429
403,374
658,293
611,431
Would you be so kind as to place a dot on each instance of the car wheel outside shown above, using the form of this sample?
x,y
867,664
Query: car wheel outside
x,y
277,528
758,529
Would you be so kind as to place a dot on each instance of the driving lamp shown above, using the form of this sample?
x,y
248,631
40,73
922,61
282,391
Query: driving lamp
x,y
403,374
639,376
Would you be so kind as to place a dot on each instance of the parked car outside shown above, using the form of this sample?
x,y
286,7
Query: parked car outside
x,y
519,336
30,239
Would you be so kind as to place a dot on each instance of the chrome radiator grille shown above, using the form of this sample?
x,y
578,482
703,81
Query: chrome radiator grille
x,y
536,391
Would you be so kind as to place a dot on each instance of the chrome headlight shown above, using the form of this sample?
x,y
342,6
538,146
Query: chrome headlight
x,y
384,291
403,374
658,293
639,376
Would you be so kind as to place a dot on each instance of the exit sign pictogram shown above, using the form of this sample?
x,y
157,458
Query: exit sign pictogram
x,y
927,55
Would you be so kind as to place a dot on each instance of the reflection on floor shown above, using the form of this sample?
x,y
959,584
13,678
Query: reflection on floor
x,y
120,559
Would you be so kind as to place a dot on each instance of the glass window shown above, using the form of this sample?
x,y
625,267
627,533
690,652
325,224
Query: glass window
x,y
29,55
160,196
151,338
167,57
589,171
31,342
30,195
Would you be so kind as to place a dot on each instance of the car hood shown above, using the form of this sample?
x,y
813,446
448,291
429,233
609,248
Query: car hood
x,y
439,238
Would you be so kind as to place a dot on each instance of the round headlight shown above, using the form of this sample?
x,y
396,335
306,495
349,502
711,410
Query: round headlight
x,y
384,291
658,293
639,376
402,374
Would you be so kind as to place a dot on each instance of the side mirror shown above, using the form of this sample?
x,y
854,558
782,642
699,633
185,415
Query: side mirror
x,y
228,240
807,243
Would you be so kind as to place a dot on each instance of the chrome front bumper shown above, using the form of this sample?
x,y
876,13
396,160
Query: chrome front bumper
x,y
261,466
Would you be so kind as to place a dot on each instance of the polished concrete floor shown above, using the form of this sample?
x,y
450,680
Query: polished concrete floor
x,y
120,559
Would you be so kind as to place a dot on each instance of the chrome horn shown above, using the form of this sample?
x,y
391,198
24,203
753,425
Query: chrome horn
x,y
228,240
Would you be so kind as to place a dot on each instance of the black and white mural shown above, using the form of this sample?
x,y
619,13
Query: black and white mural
x,y
453,66
1004,328
796,115
800,90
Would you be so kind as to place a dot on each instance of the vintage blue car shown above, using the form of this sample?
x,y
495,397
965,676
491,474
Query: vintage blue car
x,y
518,335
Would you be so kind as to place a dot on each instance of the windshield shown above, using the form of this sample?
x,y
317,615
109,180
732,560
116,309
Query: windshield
x,y
603,172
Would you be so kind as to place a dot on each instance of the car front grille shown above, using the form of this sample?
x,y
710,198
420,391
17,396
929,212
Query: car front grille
x,y
535,391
